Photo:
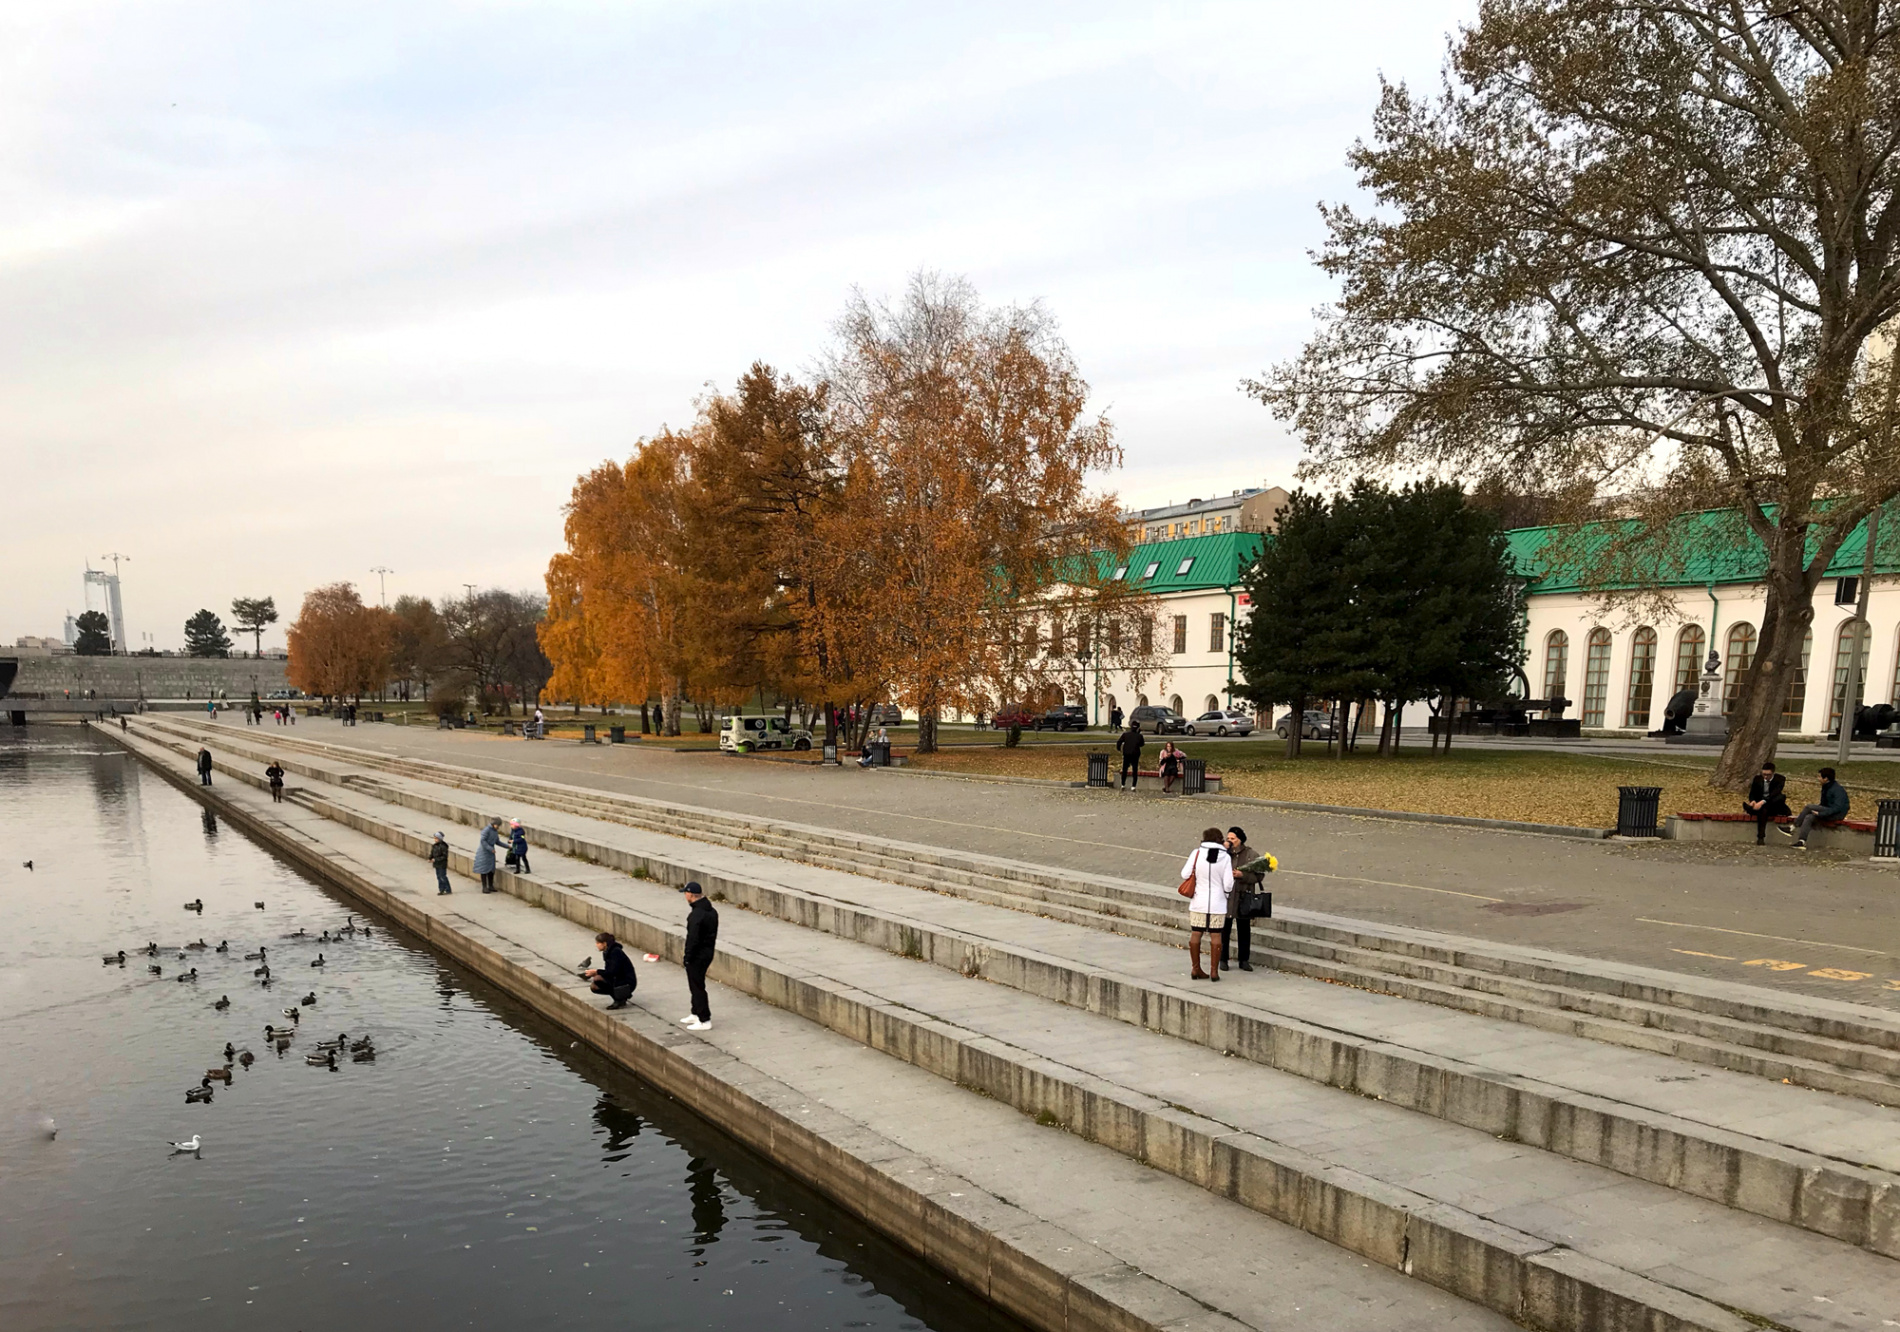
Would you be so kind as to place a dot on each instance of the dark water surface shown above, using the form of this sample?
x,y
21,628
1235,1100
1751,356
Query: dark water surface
x,y
480,1173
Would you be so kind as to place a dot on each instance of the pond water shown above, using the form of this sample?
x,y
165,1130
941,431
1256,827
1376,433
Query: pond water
x,y
478,1173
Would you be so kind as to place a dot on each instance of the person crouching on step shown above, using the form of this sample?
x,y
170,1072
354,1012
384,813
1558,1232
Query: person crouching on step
x,y
1206,879
615,975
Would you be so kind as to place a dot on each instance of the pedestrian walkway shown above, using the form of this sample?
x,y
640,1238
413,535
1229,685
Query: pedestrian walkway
x,y
1097,1032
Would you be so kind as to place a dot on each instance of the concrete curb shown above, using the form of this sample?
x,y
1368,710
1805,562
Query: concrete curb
x,y
1043,1275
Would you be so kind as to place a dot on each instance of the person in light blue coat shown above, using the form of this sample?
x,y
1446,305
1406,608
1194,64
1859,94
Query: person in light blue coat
x,y
485,854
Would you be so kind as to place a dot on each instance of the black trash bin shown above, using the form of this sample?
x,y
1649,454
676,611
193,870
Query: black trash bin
x,y
587,734
1887,831
1636,810
617,734
1193,776
1098,770
880,753
377,715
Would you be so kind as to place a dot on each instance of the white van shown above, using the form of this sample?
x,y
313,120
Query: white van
x,y
742,735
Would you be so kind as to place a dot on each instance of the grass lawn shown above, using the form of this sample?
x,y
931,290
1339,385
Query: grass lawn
x,y
1578,790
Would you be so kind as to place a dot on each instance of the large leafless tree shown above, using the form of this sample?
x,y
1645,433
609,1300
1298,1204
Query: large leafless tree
x,y
1641,247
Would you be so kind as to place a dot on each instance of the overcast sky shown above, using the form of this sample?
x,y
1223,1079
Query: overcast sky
x,y
288,292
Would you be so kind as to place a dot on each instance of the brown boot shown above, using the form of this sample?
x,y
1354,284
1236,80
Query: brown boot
x,y
1194,955
1213,955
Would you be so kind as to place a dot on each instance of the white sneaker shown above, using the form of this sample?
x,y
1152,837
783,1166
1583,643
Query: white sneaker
x,y
694,1024
688,1020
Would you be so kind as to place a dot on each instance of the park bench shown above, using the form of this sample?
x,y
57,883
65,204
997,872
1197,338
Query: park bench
x,y
1849,834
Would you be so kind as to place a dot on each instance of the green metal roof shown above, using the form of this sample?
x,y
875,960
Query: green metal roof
x,y
1714,546
1219,562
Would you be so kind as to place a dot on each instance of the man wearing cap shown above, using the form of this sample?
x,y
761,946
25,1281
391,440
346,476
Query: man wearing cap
x,y
439,857
702,937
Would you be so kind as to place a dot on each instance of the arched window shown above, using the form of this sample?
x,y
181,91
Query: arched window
x,y
1174,705
1556,662
1797,702
1846,676
1111,704
1642,677
1596,676
1741,655
1213,704
1141,700
1689,656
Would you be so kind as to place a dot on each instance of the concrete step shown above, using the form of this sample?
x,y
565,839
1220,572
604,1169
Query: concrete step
x,y
1549,1242
1809,1184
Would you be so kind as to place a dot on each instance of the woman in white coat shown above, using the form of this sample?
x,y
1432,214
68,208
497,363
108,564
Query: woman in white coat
x,y
1211,870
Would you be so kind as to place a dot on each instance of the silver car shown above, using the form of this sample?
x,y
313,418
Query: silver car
x,y
1221,721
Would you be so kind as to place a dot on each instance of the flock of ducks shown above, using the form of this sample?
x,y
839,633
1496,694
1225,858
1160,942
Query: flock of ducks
x,y
323,1054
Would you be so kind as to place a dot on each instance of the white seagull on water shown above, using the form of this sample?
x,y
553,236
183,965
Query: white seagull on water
x,y
190,1144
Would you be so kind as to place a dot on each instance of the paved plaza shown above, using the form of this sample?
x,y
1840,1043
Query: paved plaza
x,y
1769,917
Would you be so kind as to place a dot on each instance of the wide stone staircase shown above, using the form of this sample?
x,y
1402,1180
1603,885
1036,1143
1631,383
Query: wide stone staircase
x,y
1572,1144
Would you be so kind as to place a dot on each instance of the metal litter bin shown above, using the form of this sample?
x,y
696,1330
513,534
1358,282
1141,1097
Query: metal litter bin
x,y
831,754
1193,776
880,753
1636,810
1887,831
617,734
587,734
1098,770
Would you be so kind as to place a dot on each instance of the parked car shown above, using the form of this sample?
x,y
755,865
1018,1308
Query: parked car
x,y
1315,725
887,714
743,735
1008,717
1068,717
1221,721
1158,721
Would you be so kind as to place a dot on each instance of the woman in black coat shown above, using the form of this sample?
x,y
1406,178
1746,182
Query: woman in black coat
x,y
1766,801
614,975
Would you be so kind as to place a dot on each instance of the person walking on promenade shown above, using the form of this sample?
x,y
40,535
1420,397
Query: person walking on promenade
x,y
1765,800
439,861
1832,808
1206,880
211,709
1130,744
204,767
615,975
1250,867
485,854
540,724
1115,718
518,847
1170,764
702,939
275,774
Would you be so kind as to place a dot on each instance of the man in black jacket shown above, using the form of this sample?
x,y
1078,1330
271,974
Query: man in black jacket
x,y
1832,808
439,860
615,974
204,767
1130,744
702,938
1765,800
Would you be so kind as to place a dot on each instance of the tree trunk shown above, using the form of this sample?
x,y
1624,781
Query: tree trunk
x,y
1755,725
1294,727
926,730
670,708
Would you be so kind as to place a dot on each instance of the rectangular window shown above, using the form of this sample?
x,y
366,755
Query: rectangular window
x,y
1180,633
1147,637
1114,636
1217,633
1081,638
1186,564
1149,572
1055,636
1120,574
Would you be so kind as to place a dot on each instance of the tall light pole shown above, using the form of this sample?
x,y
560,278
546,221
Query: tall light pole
x,y
382,591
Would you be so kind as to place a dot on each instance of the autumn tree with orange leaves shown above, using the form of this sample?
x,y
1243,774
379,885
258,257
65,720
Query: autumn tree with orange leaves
x,y
882,534
339,647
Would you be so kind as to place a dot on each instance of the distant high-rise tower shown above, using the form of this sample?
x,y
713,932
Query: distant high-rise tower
x,y
114,610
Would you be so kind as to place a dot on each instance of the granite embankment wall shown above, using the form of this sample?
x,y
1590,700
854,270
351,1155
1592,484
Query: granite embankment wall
x,y
148,677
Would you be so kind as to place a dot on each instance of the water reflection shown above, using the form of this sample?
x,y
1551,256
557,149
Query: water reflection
x,y
709,1203
210,822
620,1124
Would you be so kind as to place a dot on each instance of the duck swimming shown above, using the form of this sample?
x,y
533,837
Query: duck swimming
x,y
156,971
309,1000
191,975
293,1015
218,1075
258,956
317,961
297,934
200,944
199,905
230,1050
202,1092
263,971
246,1058
224,946
272,1033
115,959
150,950
325,1060
224,1002
258,905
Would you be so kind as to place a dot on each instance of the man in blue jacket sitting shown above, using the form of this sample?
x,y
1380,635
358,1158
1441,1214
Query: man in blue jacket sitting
x,y
1832,808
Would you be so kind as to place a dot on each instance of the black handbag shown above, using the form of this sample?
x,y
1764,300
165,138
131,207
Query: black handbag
x,y
1258,906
